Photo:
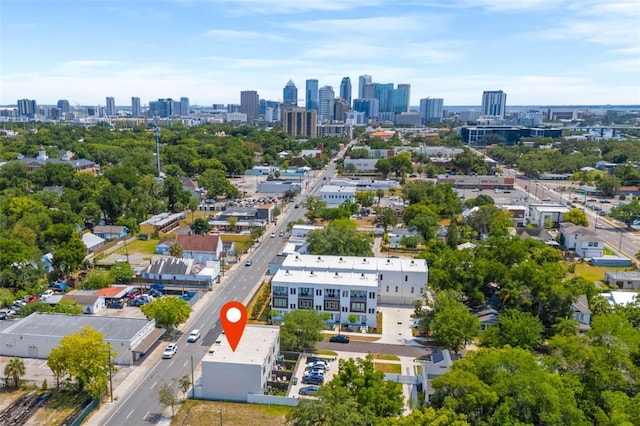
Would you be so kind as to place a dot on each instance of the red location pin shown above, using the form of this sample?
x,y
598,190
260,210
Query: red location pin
x,y
233,316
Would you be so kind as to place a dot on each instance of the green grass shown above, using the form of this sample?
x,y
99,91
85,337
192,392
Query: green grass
x,y
388,368
139,246
323,352
201,413
386,357
593,273
607,252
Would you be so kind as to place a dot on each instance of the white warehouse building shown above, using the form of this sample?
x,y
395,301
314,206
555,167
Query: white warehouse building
x,y
339,294
232,376
335,195
400,281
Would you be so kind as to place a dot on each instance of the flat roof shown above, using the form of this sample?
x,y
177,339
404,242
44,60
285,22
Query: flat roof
x,y
60,325
320,278
253,348
338,188
344,263
162,219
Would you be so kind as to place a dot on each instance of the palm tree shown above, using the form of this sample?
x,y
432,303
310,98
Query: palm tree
x,y
15,369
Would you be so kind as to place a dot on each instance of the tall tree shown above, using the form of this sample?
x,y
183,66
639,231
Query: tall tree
x,y
385,217
340,238
168,311
450,321
15,369
314,206
200,226
577,217
516,329
301,329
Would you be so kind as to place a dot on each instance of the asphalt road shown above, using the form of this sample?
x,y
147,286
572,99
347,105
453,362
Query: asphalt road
x,y
140,406
375,348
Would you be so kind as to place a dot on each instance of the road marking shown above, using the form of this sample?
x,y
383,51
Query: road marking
x,y
154,384
145,416
131,413
185,363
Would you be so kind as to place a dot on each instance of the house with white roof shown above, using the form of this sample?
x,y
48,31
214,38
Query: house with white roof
x,y
620,298
547,215
335,195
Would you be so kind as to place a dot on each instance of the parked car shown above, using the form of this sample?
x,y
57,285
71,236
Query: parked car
x,y
313,380
155,293
115,304
318,364
308,390
170,351
3,316
195,335
312,359
281,233
19,302
314,372
339,339
46,294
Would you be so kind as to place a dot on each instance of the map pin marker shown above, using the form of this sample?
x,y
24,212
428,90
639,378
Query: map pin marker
x,y
233,317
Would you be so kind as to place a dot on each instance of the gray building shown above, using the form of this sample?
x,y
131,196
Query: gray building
x,y
290,94
136,110
363,80
250,104
110,109
494,103
39,333
431,109
345,90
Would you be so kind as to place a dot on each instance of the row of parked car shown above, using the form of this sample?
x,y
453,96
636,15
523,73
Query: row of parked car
x,y
314,372
17,305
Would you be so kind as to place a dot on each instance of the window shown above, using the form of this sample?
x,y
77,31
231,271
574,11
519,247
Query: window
x,y
306,292
372,295
396,289
371,311
318,307
279,302
406,278
387,289
345,309
421,290
292,306
411,290
292,291
279,290
305,304
345,293
358,307
331,292
318,292
380,277
331,305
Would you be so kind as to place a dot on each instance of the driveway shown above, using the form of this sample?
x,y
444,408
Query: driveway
x,y
396,325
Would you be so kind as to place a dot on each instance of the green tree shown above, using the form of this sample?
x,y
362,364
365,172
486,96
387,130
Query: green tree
x,y
97,279
357,395
301,329
383,166
340,238
516,329
428,417
314,206
177,198
627,213
168,311
167,397
70,307
15,369
365,198
215,182
385,217
84,356
184,384
608,184
122,272
401,164
451,322
112,201
70,256
200,226
577,217
175,250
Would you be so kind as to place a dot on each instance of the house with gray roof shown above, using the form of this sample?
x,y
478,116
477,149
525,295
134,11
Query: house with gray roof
x,y
624,280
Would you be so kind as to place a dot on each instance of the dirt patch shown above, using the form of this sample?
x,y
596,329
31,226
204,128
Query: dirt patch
x,y
201,413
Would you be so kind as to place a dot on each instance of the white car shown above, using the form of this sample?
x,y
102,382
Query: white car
x,y
195,335
170,351
273,235
46,294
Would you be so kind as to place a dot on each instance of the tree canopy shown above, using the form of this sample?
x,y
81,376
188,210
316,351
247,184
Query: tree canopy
x,y
340,238
168,311
301,329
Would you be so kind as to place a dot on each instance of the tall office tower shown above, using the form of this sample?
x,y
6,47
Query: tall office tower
x,y
384,94
290,94
311,94
111,107
494,103
326,97
299,122
27,108
369,91
250,104
136,110
63,106
164,108
431,110
345,90
340,109
363,80
231,108
185,108
402,98
370,107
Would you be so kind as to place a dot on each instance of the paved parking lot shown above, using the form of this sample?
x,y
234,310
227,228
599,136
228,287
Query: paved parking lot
x,y
299,372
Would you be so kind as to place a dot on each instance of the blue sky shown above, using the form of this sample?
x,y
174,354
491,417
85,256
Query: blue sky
x,y
540,52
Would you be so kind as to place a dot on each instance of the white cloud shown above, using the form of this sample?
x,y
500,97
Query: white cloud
x,y
243,35
364,26
298,6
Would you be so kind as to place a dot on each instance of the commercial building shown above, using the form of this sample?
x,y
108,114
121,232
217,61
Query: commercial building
x,y
110,109
431,109
478,181
311,94
408,119
326,98
232,375
27,108
335,130
163,222
370,107
136,110
182,273
547,215
335,195
363,80
345,90
36,335
362,165
250,104
63,106
339,294
299,122
401,281
290,95
494,103
475,135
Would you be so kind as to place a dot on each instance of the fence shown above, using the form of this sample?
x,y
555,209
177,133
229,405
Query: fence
x,y
272,400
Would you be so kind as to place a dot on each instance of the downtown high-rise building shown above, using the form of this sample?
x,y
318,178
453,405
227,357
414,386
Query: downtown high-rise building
x,y
136,109
27,108
299,122
311,94
363,80
110,109
402,98
431,109
326,98
345,90
290,94
64,106
185,108
494,103
250,104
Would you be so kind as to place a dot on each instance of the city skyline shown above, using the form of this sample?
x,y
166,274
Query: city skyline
x,y
540,53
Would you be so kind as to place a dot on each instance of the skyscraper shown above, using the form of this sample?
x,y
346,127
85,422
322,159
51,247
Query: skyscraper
x,y
111,107
363,80
27,108
431,109
383,92
311,94
250,104
345,90
326,97
402,97
136,110
63,106
299,122
290,94
494,103
185,108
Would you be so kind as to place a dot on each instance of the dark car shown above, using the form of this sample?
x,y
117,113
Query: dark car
x,y
308,390
316,379
3,315
296,206
315,359
339,339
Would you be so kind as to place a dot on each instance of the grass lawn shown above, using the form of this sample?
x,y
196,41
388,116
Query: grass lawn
x,y
388,368
386,357
593,273
323,352
201,413
139,246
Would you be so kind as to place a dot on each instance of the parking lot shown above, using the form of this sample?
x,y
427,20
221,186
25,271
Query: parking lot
x,y
300,369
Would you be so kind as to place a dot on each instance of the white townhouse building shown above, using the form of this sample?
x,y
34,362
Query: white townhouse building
x,y
340,294
230,375
335,195
400,281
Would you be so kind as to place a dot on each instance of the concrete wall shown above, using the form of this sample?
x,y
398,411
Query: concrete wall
x,y
230,382
272,400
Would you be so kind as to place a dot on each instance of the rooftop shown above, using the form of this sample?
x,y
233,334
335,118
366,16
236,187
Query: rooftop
x,y
345,263
253,348
163,219
319,278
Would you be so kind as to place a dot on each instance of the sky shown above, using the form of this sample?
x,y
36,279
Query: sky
x,y
540,52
